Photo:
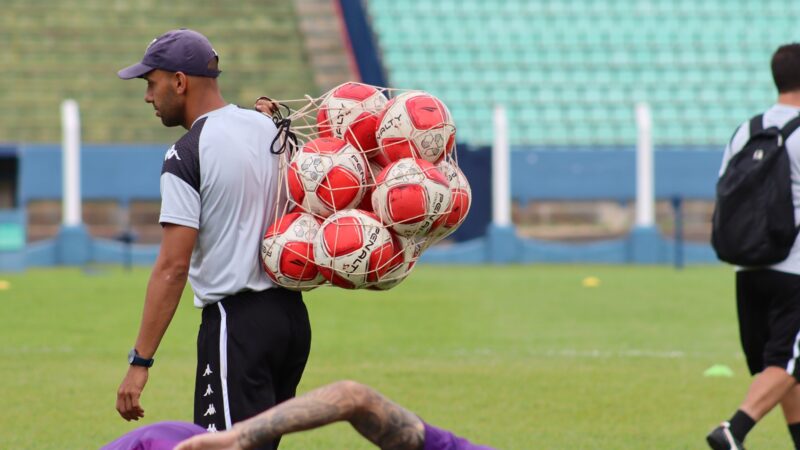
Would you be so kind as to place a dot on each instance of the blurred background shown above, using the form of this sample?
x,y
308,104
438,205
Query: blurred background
x,y
568,73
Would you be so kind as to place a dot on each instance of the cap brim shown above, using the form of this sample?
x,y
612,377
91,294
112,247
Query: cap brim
x,y
134,71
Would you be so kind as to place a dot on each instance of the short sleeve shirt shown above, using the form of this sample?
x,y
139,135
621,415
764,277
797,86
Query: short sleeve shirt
x,y
221,179
439,439
157,436
777,115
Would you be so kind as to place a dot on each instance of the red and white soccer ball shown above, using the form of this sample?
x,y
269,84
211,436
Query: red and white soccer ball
x,y
353,249
349,111
287,254
415,125
411,196
374,170
327,175
409,252
460,200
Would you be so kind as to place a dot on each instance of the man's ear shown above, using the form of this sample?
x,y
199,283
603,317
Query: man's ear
x,y
180,82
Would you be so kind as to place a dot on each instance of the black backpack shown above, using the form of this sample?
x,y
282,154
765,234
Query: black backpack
x,y
753,222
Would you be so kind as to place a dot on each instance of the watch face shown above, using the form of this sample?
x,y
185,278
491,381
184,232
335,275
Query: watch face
x,y
131,354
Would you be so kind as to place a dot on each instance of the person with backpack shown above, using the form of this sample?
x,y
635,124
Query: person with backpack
x,y
755,227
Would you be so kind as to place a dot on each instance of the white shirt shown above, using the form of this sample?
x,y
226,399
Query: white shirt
x,y
221,179
777,115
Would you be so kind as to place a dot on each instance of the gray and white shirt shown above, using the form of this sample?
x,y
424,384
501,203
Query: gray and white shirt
x,y
221,179
777,115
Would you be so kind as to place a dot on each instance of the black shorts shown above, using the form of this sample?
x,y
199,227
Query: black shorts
x,y
252,348
768,304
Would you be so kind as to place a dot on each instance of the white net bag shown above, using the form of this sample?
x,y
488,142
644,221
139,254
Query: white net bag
x,y
371,179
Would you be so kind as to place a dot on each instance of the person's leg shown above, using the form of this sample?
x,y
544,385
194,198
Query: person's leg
x,y
259,342
752,304
768,389
784,350
208,399
289,374
780,355
791,411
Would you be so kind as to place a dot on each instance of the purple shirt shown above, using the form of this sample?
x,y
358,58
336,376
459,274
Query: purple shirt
x,y
166,435
157,436
438,439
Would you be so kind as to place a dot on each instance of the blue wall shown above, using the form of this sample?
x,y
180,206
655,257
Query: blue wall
x,y
121,172
602,174
547,173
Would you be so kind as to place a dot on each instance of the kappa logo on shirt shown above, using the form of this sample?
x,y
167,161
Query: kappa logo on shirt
x,y
172,152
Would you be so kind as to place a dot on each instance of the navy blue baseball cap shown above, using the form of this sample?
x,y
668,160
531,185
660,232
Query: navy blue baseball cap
x,y
180,50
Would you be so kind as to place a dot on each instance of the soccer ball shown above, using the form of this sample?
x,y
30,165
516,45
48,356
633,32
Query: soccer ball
x,y
409,250
415,125
411,196
349,111
327,175
460,200
374,170
353,249
287,254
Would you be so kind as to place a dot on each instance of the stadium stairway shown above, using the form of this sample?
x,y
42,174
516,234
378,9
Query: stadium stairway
x,y
322,35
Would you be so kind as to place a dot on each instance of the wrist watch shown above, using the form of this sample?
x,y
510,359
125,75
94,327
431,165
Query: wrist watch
x,y
135,360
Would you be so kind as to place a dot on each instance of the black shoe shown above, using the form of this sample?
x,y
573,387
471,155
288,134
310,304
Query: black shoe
x,y
722,439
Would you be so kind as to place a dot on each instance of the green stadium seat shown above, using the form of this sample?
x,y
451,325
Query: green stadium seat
x,y
586,63
57,49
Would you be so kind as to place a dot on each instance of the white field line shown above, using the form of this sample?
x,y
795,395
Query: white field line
x,y
569,353
35,350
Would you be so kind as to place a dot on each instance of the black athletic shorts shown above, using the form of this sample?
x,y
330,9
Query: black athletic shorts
x,y
252,348
768,304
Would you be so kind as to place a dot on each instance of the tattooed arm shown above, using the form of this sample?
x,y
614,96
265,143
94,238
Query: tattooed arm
x,y
378,419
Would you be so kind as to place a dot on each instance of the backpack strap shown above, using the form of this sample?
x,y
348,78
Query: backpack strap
x,y
756,125
790,127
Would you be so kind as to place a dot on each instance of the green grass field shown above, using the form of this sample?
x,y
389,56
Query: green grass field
x,y
517,357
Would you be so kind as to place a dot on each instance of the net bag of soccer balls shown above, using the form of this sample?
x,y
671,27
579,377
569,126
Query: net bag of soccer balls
x,y
372,180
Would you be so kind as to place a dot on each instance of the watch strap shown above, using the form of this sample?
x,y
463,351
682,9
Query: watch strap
x,y
136,360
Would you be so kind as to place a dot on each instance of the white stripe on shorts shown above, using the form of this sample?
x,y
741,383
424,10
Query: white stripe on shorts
x,y
223,363
795,354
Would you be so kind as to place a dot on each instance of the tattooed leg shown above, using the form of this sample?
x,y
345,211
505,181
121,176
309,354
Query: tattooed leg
x,y
384,423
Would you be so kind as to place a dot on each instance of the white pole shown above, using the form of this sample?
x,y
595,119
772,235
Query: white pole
x,y
71,162
501,174
645,191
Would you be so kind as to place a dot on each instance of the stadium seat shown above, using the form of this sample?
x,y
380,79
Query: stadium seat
x,y
549,60
59,49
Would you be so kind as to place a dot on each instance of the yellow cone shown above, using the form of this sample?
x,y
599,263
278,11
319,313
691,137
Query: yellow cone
x,y
591,282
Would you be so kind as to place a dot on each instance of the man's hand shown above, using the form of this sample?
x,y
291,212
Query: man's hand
x,y
129,392
266,105
226,440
